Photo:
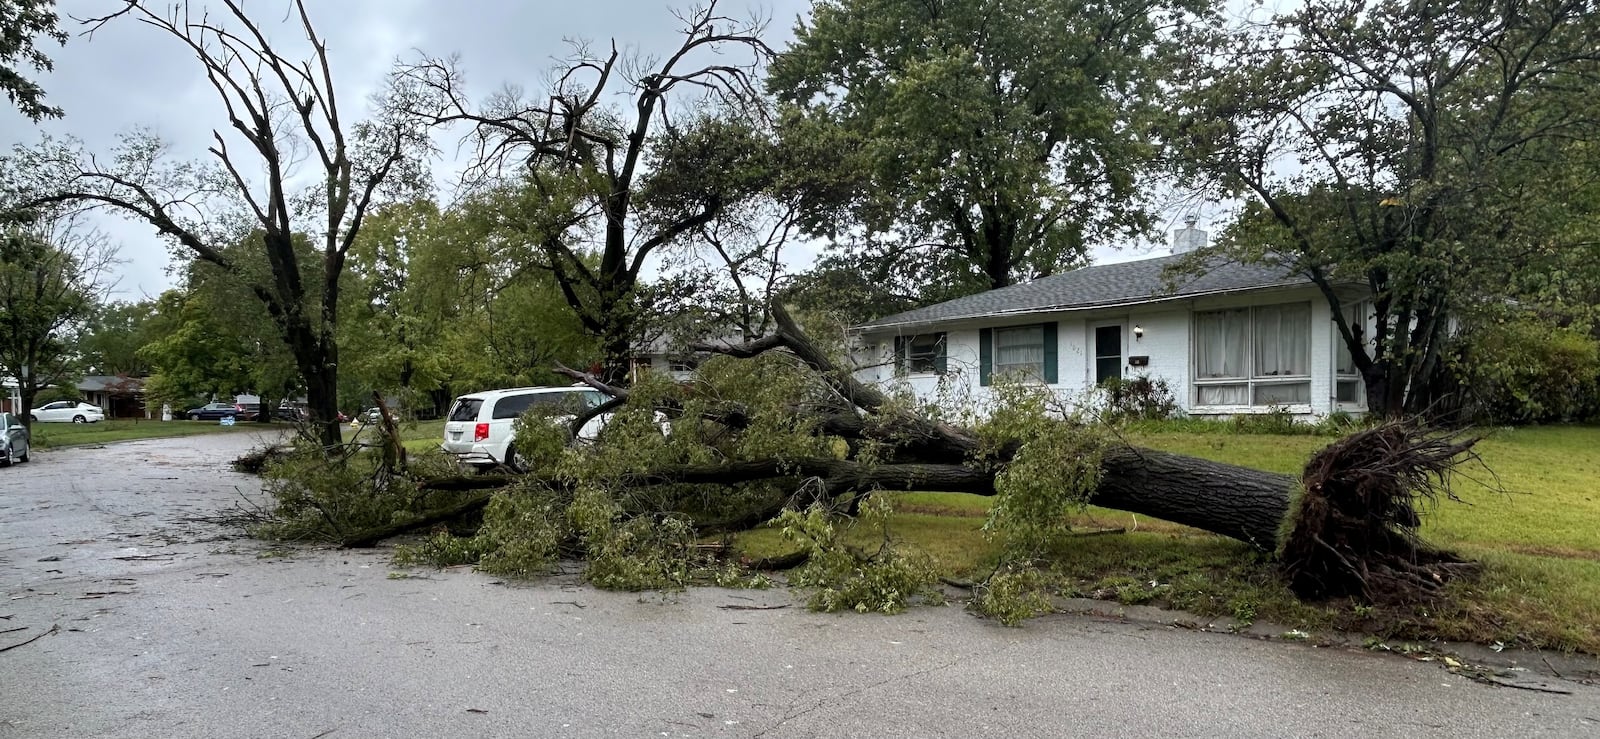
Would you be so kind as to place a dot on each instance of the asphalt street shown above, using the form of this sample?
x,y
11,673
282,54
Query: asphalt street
x,y
171,625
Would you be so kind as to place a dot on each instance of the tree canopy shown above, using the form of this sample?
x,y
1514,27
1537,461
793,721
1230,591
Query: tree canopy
x,y
22,24
993,140
445,306
618,183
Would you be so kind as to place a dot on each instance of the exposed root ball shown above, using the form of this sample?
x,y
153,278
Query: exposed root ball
x,y
1354,529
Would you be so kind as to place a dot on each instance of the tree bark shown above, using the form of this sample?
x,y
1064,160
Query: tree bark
x,y
27,391
1236,502
266,408
322,400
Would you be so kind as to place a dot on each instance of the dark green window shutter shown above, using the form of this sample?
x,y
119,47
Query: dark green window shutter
x,y
1051,377
941,361
985,355
899,355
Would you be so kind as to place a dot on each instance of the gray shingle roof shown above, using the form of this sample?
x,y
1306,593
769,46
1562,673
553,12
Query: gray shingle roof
x,y
1100,286
99,383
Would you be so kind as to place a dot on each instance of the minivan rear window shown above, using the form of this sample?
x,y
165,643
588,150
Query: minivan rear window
x,y
513,406
466,409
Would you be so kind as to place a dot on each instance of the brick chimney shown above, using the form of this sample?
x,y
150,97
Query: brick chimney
x,y
1188,238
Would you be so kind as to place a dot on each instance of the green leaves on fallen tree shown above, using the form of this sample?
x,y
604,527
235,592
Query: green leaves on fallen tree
x,y
846,578
1052,473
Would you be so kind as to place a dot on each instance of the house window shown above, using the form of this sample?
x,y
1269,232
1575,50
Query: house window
x,y
923,354
1253,356
1019,353
1348,388
682,364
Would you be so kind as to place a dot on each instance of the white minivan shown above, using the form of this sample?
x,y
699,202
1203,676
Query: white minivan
x,y
478,430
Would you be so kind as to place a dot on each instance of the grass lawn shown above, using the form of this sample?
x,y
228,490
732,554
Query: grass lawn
x,y
415,436
51,435
421,436
1539,542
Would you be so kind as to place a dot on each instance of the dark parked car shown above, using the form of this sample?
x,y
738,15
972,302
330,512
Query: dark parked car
x,y
219,411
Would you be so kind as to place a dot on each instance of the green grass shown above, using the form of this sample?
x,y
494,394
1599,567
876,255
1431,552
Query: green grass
x,y
53,435
1539,543
415,436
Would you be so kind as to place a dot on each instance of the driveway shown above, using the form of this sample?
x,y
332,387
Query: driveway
x,y
171,626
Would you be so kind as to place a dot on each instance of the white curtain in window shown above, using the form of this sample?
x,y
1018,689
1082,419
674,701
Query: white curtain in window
x,y
1222,395
1220,344
1283,340
1019,350
1283,393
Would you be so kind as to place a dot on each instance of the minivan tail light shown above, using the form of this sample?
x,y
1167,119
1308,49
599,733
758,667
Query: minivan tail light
x,y
480,432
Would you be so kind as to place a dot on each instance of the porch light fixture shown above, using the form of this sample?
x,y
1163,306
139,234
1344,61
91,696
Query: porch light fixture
x,y
1138,332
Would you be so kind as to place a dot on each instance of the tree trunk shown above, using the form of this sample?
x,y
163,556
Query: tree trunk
x,y
617,346
1379,400
322,400
1237,502
27,391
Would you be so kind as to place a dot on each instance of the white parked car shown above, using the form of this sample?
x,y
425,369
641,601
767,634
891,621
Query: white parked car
x,y
66,411
478,429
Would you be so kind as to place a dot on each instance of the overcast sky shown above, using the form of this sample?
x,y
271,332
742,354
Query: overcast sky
x,y
129,75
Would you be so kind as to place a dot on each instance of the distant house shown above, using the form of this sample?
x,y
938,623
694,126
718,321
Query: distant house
x,y
10,396
1228,339
118,395
670,355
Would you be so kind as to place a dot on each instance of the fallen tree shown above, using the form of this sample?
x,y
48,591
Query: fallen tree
x,y
777,426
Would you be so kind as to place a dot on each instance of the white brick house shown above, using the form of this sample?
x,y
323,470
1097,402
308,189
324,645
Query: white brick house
x,y
1228,339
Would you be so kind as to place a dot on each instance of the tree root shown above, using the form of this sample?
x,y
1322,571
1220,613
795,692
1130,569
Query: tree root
x,y
1354,528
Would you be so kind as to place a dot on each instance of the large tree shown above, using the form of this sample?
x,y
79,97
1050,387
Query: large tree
x,y
53,273
600,189
997,140
1426,150
215,340
22,24
278,108
446,306
112,338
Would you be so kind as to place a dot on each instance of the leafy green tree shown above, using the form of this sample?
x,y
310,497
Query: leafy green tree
x,y
113,337
216,342
1424,150
599,189
847,294
191,358
22,24
997,140
283,127
51,276
444,307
